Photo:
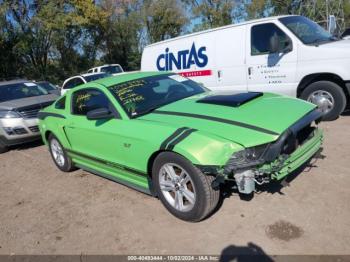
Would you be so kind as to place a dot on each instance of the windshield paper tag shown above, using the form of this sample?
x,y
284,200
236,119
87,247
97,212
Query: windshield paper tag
x,y
178,78
30,84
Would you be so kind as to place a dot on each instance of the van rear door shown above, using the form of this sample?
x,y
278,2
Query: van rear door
x,y
267,71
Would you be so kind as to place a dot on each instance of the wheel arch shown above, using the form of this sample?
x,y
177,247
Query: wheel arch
x,y
61,137
155,154
47,135
312,78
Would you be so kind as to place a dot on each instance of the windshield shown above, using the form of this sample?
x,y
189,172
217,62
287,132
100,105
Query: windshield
x,y
143,95
95,77
20,90
112,69
306,30
48,86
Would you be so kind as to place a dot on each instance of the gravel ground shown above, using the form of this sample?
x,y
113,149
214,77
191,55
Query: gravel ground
x,y
45,211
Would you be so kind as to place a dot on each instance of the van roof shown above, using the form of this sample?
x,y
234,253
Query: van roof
x,y
220,28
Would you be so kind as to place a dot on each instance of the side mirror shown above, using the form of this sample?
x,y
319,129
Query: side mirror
x,y
274,44
332,24
99,113
288,46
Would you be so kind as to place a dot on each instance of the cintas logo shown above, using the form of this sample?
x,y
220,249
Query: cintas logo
x,y
183,60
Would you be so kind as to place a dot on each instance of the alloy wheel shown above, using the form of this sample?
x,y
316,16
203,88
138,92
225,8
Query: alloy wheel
x,y
57,152
177,187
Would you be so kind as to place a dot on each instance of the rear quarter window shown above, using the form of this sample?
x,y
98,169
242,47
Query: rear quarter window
x,y
61,103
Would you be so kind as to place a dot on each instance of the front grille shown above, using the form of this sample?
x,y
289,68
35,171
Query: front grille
x,y
305,134
293,141
19,131
33,113
34,129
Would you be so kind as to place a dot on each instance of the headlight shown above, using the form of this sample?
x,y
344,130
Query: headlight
x,y
9,114
248,157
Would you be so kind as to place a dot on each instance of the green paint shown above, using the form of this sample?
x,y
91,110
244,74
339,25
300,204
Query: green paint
x,y
212,143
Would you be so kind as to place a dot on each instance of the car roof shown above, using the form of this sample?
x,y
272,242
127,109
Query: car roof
x,y
82,76
91,74
44,81
17,81
105,65
114,80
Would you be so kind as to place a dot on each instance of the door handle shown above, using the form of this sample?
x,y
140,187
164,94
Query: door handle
x,y
250,70
219,74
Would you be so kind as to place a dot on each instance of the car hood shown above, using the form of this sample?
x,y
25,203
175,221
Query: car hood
x,y
332,50
257,121
42,101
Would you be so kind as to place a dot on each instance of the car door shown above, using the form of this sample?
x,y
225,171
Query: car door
x,y
266,71
96,140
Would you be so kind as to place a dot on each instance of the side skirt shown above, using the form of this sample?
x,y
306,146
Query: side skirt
x,y
115,172
119,181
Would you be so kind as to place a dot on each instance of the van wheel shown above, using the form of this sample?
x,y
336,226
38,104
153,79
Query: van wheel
x,y
59,155
182,188
328,96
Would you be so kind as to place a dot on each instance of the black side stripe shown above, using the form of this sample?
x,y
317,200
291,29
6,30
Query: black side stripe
x,y
180,138
43,115
217,119
107,163
177,132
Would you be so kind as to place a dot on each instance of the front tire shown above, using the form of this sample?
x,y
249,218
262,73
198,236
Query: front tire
x,y
182,188
59,155
328,96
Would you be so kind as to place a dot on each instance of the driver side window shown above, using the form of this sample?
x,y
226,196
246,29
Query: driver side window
x,y
261,35
86,100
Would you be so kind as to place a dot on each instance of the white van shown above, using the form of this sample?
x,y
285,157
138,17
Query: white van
x,y
290,55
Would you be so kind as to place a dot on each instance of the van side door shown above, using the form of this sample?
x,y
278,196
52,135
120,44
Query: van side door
x,y
229,57
271,59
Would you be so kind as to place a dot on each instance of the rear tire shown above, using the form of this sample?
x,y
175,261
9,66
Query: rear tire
x,y
59,155
186,193
329,97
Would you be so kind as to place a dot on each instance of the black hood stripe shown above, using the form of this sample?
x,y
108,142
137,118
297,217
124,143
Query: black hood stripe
x,y
217,119
177,132
180,138
43,115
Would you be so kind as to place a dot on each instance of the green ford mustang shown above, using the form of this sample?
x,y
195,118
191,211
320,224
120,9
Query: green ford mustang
x,y
168,136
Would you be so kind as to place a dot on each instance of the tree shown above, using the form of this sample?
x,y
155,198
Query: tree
x,y
10,65
212,13
163,19
121,33
51,39
347,13
257,9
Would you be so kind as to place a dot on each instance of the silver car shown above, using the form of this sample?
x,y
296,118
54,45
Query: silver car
x,y
20,102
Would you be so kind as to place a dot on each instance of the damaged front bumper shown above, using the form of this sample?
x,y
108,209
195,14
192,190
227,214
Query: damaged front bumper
x,y
282,166
295,147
